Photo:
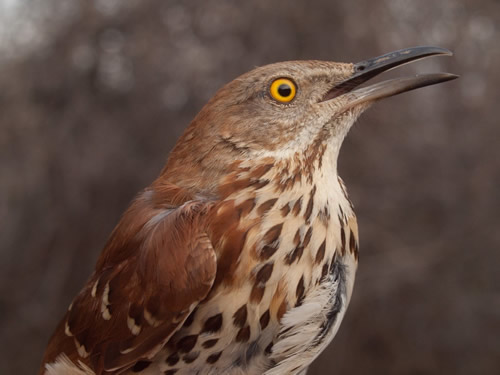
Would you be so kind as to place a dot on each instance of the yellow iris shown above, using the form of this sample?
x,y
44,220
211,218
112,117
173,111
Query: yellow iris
x,y
283,90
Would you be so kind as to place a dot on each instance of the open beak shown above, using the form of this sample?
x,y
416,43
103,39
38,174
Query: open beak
x,y
367,69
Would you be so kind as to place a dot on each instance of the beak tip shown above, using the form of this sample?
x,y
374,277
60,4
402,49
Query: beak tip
x,y
449,76
428,51
442,51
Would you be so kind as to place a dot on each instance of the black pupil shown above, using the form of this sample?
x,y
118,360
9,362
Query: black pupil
x,y
285,90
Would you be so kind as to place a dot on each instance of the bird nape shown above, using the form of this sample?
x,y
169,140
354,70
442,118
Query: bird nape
x,y
240,257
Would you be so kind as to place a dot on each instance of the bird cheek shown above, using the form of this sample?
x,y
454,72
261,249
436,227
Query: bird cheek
x,y
323,112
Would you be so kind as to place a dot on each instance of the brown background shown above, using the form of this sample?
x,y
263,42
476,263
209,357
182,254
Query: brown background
x,y
94,94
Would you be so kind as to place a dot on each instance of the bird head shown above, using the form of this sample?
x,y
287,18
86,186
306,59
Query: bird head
x,y
278,110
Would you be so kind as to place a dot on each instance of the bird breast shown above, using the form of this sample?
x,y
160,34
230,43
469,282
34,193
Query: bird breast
x,y
287,253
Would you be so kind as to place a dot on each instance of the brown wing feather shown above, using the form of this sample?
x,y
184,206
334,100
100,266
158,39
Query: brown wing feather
x,y
156,267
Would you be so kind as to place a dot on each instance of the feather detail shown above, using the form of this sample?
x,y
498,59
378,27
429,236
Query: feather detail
x,y
64,366
156,267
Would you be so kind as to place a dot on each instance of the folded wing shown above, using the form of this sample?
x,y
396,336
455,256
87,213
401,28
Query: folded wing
x,y
156,267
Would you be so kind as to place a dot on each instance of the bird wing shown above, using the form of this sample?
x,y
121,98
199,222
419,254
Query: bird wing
x,y
156,267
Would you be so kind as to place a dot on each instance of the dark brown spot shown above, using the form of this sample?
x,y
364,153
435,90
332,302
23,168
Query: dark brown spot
x,y
310,204
297,177
324,215
233,185
294,255
209,343
187,343
351,204
314,152
296,238
172,359
288,183
266,206
246,207
260,171
213,357
171,371
240,316
273,233
341,215
260,184
264,319
83,338
189,320
135,313
153,305
212,324
264,273
268,251
270,239
320,254
243,334
324,271
257,293
344,190
141,365
191,357
321,154
285,210
342,240
333,263
297,206
353,244
269,348
307,237
300,292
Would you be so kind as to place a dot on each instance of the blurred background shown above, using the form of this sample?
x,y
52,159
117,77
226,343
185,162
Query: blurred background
x,y
93,95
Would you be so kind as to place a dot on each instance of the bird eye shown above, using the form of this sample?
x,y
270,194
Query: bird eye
x,y
283,90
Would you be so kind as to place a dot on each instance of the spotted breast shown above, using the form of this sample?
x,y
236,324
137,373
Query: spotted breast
x,y
288,260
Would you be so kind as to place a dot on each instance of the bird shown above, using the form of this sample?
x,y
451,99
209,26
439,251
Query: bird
x,y
240,258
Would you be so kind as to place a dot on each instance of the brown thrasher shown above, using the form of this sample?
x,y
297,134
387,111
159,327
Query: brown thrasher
x,y
240,258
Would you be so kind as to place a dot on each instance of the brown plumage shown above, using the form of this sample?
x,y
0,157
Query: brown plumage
x,y
240,258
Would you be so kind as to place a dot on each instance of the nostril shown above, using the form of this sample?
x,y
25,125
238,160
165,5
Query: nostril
x,y
360,68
